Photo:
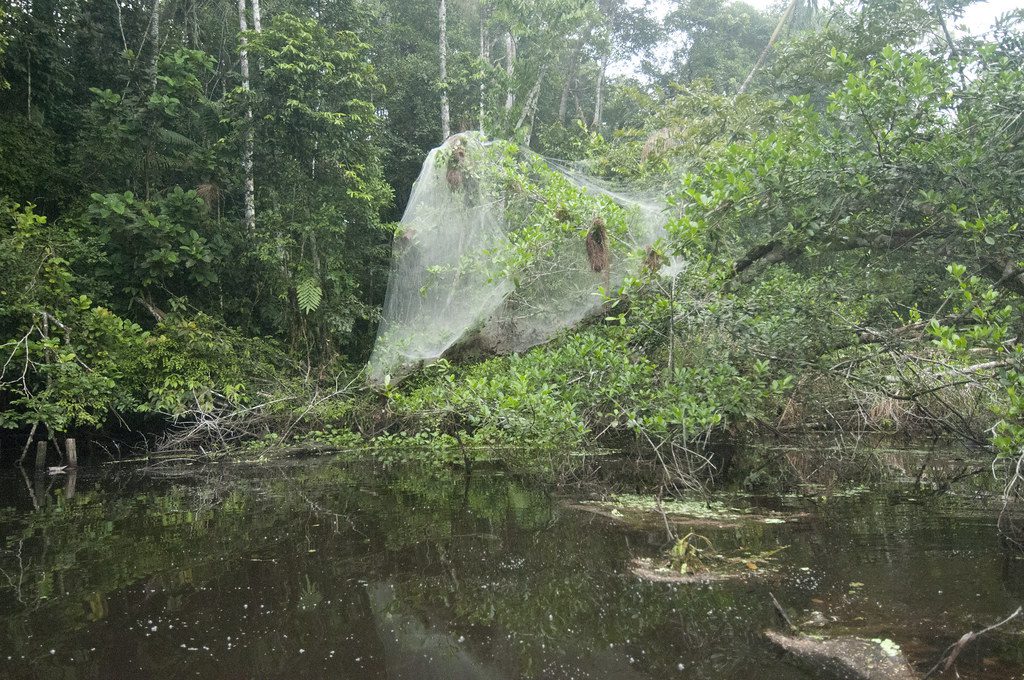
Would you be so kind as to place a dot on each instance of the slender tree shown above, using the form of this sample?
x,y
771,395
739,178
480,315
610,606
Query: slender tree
x,y
484,62
771,42
599,95
249,142
442,20
257,19
570,78
530,107
154,39
510,69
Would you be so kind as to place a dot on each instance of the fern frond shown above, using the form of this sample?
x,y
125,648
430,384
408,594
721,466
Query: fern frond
x,y
309,295
172,138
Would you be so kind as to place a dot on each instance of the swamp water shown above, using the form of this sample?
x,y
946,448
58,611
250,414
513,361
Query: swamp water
x,y
327,569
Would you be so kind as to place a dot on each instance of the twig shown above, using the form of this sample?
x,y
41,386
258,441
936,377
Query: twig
x,y
782,612
953,651
28,443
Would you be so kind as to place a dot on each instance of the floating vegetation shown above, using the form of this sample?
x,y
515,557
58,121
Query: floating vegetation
x,y
640,508
820,491
685,556
646,569
694,559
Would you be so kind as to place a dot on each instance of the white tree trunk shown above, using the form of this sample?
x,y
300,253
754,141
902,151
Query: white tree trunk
x,y
531,101
510,70
442,20
257,18
249,142
599,97
484,63
154,38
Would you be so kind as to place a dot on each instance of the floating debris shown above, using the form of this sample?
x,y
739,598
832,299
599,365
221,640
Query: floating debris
x,y
637,508
693,564
845,658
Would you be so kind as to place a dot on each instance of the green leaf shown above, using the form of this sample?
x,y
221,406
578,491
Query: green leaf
x,y
308,294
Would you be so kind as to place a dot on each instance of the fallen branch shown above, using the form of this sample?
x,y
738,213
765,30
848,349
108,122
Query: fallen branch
x,y
782,612
953,651
844,658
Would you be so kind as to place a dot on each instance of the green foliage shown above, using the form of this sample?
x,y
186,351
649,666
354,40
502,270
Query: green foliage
x,y
145,141
30,167
811,219
318,160
841,216
722,41
194,363
897,200
532,399
135,160
588,386
992,326
168,244
308,295
685,555
70,362
64,356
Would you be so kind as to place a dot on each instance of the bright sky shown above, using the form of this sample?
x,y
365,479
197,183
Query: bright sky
x,y
978,19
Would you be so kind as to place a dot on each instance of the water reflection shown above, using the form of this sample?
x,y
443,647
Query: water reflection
x,y
331,570
414,648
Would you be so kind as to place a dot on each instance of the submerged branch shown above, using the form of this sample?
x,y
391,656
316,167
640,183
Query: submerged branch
x,y
953,651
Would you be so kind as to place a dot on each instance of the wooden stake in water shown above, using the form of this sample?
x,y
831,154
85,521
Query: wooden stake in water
x,y
69,489
40,455
72,451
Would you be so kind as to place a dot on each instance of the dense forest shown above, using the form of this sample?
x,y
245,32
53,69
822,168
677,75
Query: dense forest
x,y
198,200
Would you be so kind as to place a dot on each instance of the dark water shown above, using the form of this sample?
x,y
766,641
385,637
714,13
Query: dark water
x,y
330,570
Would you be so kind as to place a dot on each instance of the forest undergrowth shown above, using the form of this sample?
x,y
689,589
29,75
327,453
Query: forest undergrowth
x,y
195,254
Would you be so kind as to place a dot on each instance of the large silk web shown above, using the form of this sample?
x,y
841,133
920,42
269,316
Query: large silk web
x,y
500,249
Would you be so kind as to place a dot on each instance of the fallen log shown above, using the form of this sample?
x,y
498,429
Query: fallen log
x,y
844,658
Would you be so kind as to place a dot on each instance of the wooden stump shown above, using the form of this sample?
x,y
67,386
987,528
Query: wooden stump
x,y
40,455
72,451
69,489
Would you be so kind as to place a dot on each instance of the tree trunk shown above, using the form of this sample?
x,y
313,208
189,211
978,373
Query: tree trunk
x,y
563,103
535,94
442,20
257,17
510,69
529,130
768,48
154,38
570,78
580,114
249,142
531,106
120,25
194,33
599,97
484,63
